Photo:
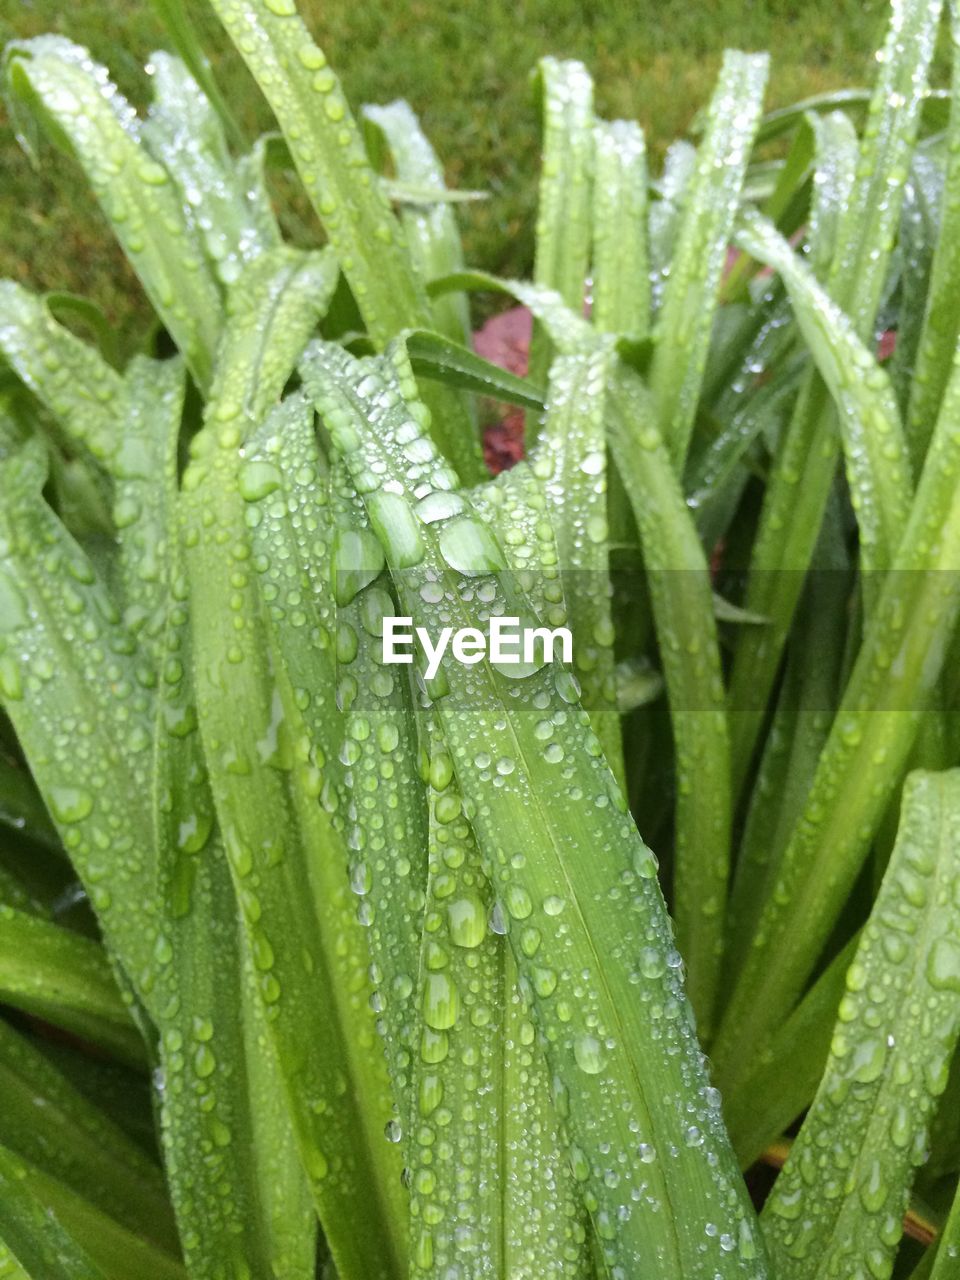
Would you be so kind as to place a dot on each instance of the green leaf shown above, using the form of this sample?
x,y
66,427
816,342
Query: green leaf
x,y
327,148
66,979
783,1077
505,1078
836,153
183,36
947,1248
231,214
48,1123
567,330
443,360
564,202
563,228
878,465
286,858
114,1249
613,1057
776,123
58,83
125,428
807,701
685,317
663,219
81,707
621,269
570,460
805,463
880,714
683,610
896,1031
21,807
432,233
31,1237
248,1202
919,235
941,323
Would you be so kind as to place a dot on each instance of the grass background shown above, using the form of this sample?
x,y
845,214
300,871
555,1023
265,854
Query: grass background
x,y
464,66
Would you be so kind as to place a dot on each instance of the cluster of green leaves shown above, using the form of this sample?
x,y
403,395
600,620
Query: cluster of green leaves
x,y
376,973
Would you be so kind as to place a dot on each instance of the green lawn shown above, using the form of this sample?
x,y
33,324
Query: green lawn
x,y
464,66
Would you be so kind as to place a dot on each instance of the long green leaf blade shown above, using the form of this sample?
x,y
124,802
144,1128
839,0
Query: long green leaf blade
x,y
684,322
65,978
563,210
285,857
840,1199
621,269
31,1236
934,357
682,597
571,462
878,465
796,494
598,1044
60,83
877,722
432,232
75,1142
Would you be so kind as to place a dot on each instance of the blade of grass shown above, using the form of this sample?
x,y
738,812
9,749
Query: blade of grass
x,y
563,227
436,357
681,591
805,708
918,239
843,1192
83,660
379,751
683,607
21,808
563,206
504,1094
362,730
247,1205
944,1262
663,219
775,123
327,148
878,464
111,1247
183,36
541,1234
